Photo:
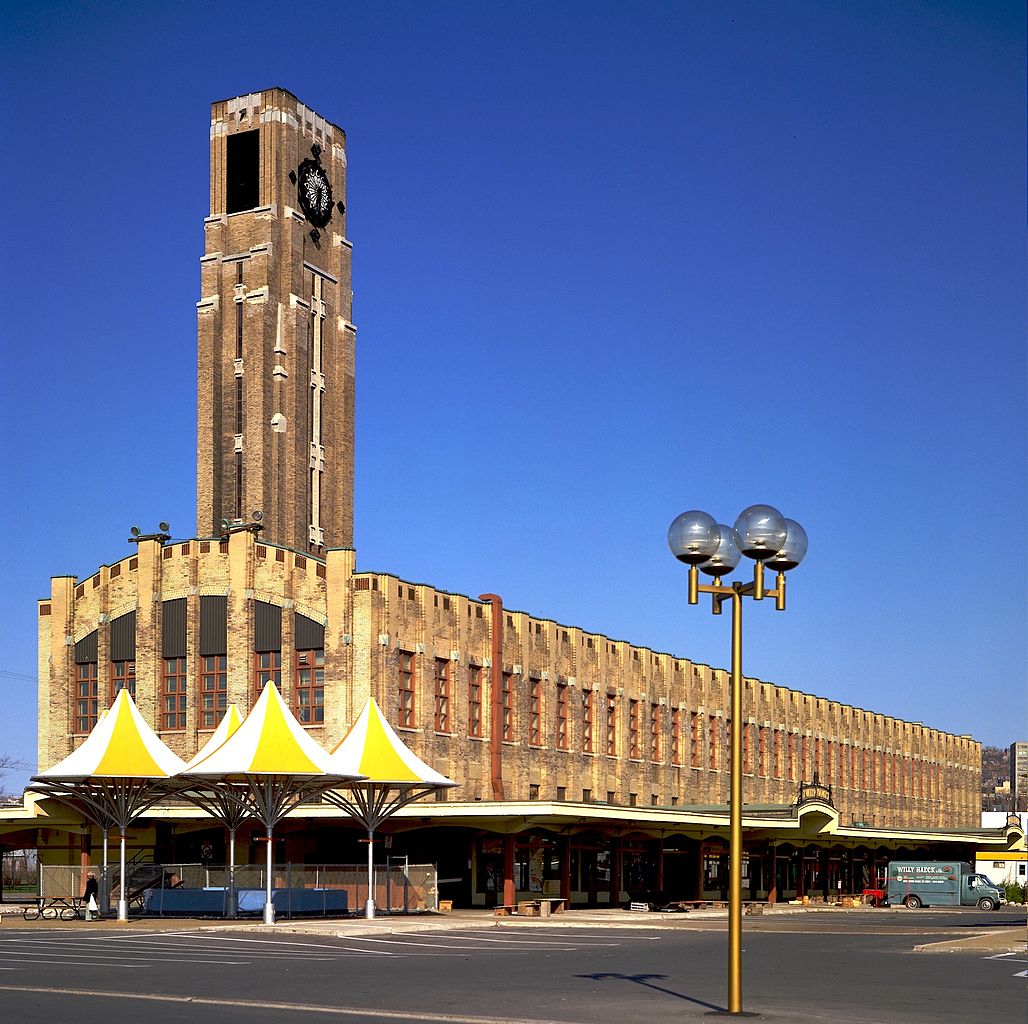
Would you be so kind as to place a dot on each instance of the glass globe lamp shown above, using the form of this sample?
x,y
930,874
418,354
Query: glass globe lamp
x,y
693,537
726,557
760,531
791,553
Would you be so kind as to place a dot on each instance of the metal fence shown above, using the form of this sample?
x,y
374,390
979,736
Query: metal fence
x,y
207,889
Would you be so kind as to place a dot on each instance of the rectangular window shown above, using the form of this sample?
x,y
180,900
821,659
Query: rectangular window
x,y
562,716
267,668
173,714
791,755
762,750
633,730
533,791
123,677
309,687
442,695
676,735
817,758
776,754
695,738
474,700
562,793
747,731
507,693
654,732
535,702
587,721
712,752
86,697
405,689
213,689
612,723
803,758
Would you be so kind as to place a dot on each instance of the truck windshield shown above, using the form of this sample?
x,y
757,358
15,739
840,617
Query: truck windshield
x,y
985,880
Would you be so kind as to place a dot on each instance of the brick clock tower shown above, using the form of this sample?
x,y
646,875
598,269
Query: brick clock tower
x,y
275,382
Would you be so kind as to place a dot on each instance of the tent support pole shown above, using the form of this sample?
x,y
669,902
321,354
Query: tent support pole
x,y
122,888
369,907
105,885
232,909
269,906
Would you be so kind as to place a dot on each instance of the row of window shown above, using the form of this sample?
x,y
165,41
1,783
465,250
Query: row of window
x,y
587,796
770,753
308,688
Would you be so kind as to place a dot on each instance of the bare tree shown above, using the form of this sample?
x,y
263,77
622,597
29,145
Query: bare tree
x,y
9,763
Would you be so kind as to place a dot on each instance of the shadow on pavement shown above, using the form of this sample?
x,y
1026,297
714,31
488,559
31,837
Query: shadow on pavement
x,y
646,980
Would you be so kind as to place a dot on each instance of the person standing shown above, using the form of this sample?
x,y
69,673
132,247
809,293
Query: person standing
x,y
90,896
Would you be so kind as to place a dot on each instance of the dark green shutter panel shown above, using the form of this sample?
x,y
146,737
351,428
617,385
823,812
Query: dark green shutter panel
x,y
123,638
173,628
213,625
85,650
308,635
267,627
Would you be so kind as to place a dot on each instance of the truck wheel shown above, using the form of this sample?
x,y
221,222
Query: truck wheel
x,y
986,904
912,902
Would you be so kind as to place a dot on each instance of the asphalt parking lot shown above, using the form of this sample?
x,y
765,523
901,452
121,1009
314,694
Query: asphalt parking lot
x,y
586,969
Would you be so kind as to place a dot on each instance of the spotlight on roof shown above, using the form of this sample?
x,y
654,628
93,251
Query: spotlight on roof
x,y
163,527
134,531
258,515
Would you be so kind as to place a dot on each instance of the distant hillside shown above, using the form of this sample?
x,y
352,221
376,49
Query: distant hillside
x,y
995,766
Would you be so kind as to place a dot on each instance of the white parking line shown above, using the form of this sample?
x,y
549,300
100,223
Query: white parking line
x,y
78,959
289,1010
451,946
540,943
155,947
266,942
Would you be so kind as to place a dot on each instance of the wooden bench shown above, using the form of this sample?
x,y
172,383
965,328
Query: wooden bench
x,y
503,910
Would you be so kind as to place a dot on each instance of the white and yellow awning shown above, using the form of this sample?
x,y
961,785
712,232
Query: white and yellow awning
x,y
270,741
226,728
120,746
371,748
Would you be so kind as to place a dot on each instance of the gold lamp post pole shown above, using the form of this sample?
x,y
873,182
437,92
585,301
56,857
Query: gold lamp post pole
x,y
765,535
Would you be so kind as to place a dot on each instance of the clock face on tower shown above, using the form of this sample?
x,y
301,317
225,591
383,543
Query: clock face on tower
x,y
314,192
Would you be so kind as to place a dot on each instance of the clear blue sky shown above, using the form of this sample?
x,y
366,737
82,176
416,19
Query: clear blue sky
x,y
611,261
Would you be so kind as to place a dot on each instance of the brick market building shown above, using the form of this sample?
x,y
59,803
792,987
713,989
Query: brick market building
x,y
588,765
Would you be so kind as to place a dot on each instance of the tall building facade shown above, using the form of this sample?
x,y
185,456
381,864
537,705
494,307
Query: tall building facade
x,y
275,380
1019,776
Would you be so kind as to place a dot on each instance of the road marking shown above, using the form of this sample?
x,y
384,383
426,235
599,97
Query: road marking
x,y
77,958
268,942
291,1008
94,950
450,946
542,942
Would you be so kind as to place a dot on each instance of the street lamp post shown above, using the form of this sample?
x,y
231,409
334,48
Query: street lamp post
x,y
762,533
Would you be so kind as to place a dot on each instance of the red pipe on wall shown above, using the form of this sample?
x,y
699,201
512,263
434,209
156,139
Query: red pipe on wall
x,y
496,719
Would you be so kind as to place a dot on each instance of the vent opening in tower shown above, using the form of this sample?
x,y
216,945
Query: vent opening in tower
x,y
243,171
